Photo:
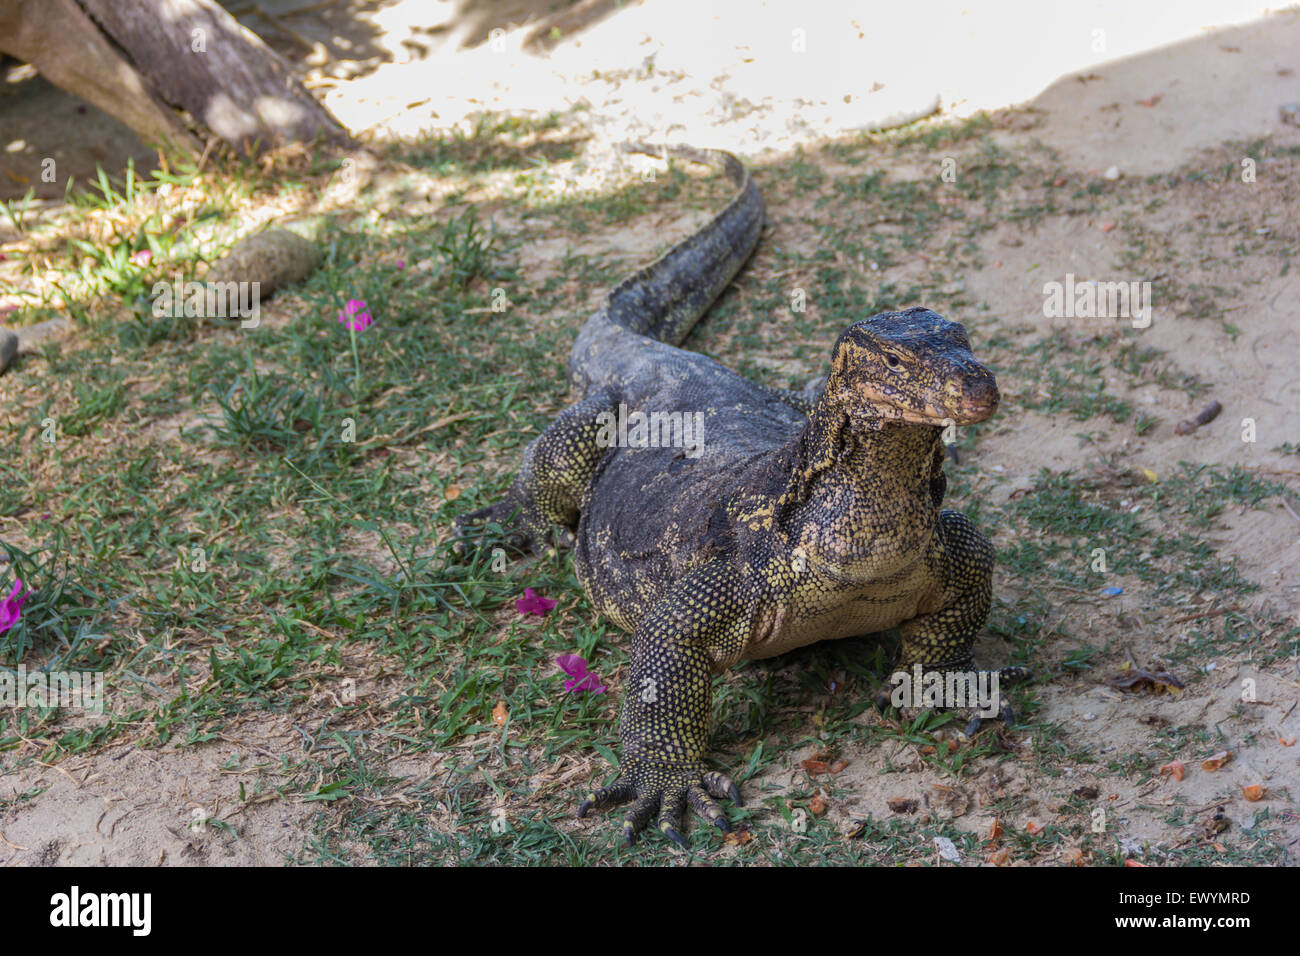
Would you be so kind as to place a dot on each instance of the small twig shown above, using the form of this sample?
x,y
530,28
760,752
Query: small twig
x,y
204,158
1291,511
1213,612
242,743
1207,414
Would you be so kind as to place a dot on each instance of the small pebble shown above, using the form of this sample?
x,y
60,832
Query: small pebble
x,y
274,258
1112,173
8,348
947,850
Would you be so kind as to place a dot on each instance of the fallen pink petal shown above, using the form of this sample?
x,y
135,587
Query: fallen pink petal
x,y
12,606
142,258
580,679
534,603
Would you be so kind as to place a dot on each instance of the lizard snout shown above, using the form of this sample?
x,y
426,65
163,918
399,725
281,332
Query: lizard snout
x,y
979,399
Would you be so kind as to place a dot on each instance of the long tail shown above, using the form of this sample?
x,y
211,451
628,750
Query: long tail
x,y
665,299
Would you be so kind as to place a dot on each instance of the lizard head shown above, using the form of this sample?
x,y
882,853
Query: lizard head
x,y
914,366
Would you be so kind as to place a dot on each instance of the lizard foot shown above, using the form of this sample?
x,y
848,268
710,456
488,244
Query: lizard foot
x,y
975,701
667,790
520,537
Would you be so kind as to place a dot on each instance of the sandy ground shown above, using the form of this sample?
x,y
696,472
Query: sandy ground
x,y
741,81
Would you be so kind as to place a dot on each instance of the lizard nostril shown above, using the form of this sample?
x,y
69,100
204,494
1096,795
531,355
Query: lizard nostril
x,y
981,396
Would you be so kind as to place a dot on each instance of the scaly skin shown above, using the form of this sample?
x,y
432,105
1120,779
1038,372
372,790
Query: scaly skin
x,y
802,520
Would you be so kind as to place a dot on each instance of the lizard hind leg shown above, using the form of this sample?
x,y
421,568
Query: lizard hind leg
x,y
554,473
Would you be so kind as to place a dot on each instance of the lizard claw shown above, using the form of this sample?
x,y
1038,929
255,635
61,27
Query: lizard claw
x,y
673,834
667,790
965,707
620,791
1005,714
719,785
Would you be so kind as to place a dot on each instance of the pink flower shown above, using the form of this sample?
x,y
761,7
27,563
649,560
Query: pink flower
x,y
534,603
11,607
354,315
401,263
579,677
142,258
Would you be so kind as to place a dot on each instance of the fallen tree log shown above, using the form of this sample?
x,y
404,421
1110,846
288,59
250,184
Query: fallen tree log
x,y
169,69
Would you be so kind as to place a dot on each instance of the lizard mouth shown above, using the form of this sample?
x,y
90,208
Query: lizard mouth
x,y
967,412
972,412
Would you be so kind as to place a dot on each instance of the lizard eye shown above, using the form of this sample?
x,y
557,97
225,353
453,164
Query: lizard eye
x,y
892,360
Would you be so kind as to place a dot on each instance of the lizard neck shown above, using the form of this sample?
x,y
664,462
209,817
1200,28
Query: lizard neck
x,y
847,448
853,480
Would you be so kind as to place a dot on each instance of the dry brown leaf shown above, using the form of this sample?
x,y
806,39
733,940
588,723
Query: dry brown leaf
x,y
1132,677
902,805
1032,827
817,805
1286,741
948,801
737,837
1174,768
815,766
1216,823
1253,793
500,714
1215,762
1133,863
1000,857
995,831
839,765
451,492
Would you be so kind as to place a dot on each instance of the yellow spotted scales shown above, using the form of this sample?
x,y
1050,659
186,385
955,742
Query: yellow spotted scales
x,y
746,521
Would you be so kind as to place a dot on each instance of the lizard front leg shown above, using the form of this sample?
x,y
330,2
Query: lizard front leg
x,y
554,473
940,642
699,628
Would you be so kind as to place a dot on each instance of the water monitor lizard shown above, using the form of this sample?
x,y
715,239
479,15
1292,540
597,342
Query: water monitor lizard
x,y
787,519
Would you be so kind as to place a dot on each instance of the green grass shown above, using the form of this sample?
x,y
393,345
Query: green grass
x,y
251,561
